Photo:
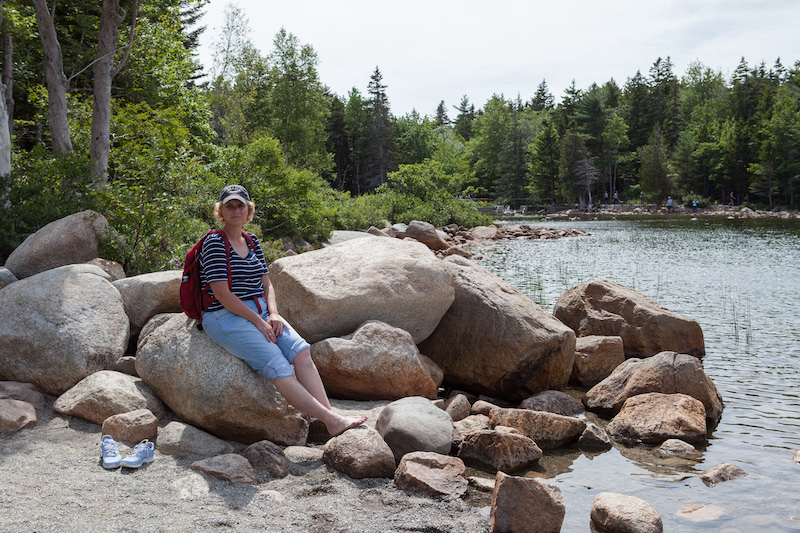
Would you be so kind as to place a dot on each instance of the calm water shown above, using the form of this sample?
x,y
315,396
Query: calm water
x,y
740,279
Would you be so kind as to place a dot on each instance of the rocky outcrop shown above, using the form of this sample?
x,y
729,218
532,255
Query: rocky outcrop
x,y
547,430
595,358
666,372
70,240
147,295
432,473
415,424
61,326
211,389
495,340
526,505
398,282
360,453
605,307
653,417
107,393
377,362
620,513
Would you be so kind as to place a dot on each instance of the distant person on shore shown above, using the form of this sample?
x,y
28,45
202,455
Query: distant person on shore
x,y
243,318
641,197
605,197
694,205
669,204
732,200
616,197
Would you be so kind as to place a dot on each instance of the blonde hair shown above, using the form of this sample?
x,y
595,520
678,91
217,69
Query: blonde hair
x,y
251,212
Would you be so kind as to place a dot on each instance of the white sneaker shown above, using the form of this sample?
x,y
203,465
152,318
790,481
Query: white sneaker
x,y
111,456
141,454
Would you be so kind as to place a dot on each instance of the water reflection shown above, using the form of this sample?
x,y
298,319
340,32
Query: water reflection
x,y
740,280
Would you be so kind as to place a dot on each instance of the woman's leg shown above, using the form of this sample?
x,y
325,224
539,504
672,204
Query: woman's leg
x,y
308,376
299,397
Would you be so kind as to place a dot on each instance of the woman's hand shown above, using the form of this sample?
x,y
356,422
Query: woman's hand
x,y
276,322
268,330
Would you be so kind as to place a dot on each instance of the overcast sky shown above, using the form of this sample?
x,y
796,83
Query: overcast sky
x,y
434,50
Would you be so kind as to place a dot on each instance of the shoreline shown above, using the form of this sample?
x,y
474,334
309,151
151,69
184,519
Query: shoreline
x,y
627,210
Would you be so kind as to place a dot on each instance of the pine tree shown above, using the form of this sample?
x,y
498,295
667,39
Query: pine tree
x,y
380,145
543,100
465,118
441,115
545,154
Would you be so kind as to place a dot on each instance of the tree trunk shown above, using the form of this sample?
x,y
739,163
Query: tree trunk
x,y
56,80
5,123
111,17
8,79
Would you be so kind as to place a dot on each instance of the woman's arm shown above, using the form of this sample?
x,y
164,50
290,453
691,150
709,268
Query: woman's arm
x,y
234,304
275,319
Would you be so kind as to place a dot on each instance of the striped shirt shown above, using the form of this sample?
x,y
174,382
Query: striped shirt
x,y
246,272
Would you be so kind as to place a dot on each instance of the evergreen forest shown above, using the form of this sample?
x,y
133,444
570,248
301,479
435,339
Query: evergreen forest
x,y
106,107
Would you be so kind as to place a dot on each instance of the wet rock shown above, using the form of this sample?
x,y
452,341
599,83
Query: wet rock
x,y
408,288
458,407
24,392
723,472
108,393
69,240
360,453
60,326
133,426
666,372
677,448
530,350
499,450
431,473
547,430
526,505
596,357
605,307
620,513
147,295
177,438
653,418
553,401
701,513
209,388
231,467
265,455
15,415
414,424
594,438
377,362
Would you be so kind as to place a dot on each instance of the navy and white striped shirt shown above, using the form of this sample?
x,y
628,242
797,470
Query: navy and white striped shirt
x,y
246,272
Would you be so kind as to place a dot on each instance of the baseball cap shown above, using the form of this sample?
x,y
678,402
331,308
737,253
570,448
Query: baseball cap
x,y
234,192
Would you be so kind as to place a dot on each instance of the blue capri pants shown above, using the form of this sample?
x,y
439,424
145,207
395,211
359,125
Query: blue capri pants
x,y
241,338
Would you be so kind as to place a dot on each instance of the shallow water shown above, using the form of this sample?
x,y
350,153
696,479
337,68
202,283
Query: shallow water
x,y
740,279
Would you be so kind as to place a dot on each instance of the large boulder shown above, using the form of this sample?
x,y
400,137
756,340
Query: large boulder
x,y
415,424
147,295
654,417
377,362
548,430
526,505
210,388
61,326
69,240
107,393
667,372
433,474
360,453
500,450
496,341
605,307
596,357
426,233
331,292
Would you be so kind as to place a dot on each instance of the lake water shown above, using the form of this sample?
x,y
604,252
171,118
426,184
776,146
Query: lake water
x,y
740,279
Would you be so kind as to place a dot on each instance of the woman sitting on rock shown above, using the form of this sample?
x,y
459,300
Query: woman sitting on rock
x,y
243,317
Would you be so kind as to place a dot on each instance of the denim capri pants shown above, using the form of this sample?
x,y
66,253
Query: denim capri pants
x,y
241,338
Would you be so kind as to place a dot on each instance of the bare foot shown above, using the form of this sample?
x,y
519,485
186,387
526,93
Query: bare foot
x,y
344,423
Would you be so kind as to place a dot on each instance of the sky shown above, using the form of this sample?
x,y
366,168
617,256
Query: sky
x,y
434,50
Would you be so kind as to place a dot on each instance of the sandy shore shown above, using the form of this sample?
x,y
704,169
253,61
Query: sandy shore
x,y
51,479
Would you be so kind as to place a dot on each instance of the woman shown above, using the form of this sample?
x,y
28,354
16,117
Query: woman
x,y
243,317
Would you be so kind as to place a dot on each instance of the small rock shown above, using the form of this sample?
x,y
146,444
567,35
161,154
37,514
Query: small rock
x,y
500,450
230,467
458,407
698,513
126,365
481,483
15,415
133,426
676,448
177,438
303,454
553,401
268,456
594,438
723,472
624,514
526,505
431,473
191,487
24,392
468,425
482,407
360,453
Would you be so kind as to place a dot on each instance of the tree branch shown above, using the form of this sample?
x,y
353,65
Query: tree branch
x,y
130,40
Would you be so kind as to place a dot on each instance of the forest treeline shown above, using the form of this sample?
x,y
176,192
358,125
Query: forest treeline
x,y
107,108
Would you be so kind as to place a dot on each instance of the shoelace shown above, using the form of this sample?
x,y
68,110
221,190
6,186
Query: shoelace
x,y
108,448
139,448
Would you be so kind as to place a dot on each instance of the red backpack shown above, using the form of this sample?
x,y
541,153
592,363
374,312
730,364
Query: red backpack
x,y
194,298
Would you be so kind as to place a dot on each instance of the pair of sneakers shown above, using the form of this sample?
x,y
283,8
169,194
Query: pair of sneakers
x,y
142,453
